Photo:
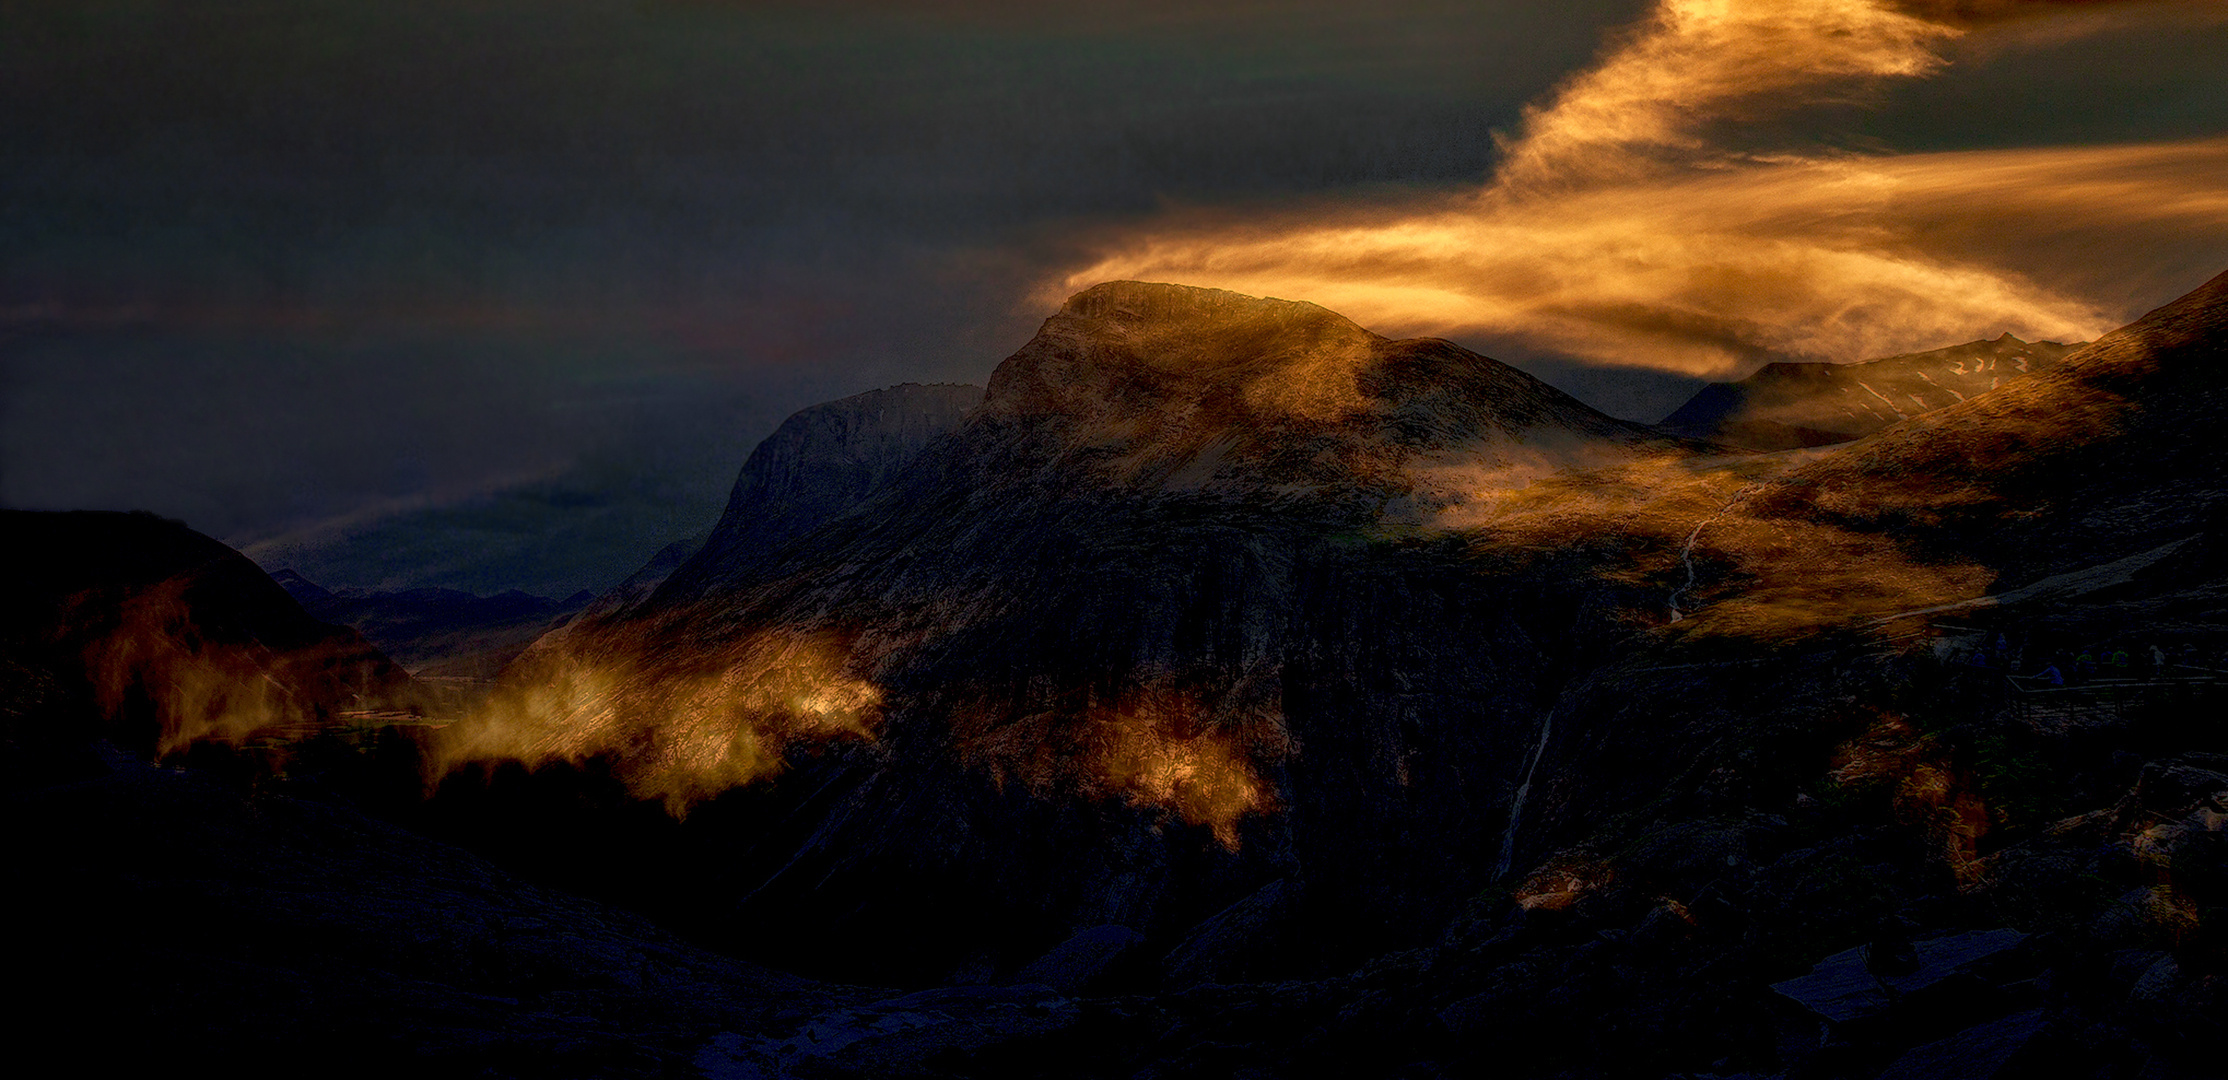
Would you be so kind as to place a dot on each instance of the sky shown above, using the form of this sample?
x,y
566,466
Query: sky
x,y
499,293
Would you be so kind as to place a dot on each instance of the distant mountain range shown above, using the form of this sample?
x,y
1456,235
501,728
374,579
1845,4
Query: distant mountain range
x,y
437,632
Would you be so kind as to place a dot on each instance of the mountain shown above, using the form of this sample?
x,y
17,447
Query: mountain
x,y
821,462
1125,647
2105,451
1160,388
1159,719
437,632
1786,405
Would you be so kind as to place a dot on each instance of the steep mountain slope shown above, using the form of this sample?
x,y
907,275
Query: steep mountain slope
x,y
2155,372
1282,696
2080,506
1786,405
1996,720
2106,455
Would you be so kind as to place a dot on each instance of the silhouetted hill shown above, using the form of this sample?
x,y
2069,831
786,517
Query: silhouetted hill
x,y
138,630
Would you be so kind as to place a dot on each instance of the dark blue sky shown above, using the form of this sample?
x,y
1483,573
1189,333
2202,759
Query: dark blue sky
x,y
498,293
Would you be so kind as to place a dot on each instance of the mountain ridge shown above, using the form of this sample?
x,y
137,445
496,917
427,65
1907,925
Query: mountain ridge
x,y
1785,405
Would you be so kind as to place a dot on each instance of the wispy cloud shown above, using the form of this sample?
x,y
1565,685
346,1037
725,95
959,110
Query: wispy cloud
x,y
1628,225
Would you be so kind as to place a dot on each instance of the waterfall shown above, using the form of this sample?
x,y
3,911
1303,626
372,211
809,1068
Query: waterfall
x,y
1516,805
1686,553
1686,556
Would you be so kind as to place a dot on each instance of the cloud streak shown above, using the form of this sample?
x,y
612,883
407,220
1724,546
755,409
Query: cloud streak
x,y
1627,226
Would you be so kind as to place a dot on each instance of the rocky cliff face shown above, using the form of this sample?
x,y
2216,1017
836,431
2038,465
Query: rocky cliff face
x,y
1787,405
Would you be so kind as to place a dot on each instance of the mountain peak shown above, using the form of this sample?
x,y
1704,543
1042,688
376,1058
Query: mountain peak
x,y
820,462
1125,344
1165,303
1160,386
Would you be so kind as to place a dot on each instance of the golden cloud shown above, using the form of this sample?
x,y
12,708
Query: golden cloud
x,y
1618,231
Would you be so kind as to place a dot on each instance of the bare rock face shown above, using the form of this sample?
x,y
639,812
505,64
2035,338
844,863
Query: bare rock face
x,y
1787,405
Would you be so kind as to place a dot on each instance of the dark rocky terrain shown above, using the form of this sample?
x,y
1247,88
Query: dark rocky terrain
x,y
1782,406
1234,692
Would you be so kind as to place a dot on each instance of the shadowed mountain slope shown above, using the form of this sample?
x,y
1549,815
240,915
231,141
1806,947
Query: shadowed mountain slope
x,y
2109,453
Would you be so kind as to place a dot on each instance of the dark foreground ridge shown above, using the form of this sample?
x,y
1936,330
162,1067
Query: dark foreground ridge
x,y
1236,692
